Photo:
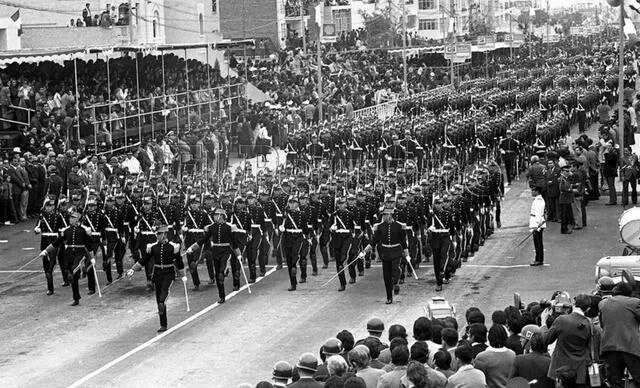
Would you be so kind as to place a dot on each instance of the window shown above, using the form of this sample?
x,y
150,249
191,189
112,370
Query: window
x,y
427,24
156,23
342,20
201,21
214,6
426,4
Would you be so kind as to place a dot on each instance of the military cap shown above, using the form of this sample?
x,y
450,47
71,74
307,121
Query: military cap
x,y
147,200
351,196
250,194
375,325
332,346
240,199
293,199
282,370
340,200
109,198
220,210
162,229
74,214
308,362
387,210
193,199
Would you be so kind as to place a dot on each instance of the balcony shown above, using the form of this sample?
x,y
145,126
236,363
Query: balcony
x,y
64,37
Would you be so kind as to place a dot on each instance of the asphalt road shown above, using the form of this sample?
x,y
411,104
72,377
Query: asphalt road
x,y
112,341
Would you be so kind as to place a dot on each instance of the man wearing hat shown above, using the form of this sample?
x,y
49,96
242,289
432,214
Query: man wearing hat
x,y
145,234
342,227
258,234
390,238
307,366
195,221
509,149
96,222
279,201
223,245
53,183
282,372
48,227
115,235
165,259
294,230
76,240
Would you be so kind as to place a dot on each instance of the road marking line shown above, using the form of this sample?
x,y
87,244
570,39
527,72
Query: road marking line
x,y
162,335
21,271
28,249
4,241
501,266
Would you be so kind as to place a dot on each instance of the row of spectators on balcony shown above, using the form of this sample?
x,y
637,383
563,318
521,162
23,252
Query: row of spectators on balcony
x,y
111,16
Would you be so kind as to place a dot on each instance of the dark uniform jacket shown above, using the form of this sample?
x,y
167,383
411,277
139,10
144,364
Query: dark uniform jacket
x,y
391,240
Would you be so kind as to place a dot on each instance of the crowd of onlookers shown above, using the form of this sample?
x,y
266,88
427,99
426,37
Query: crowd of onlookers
x,y
111,16
561,342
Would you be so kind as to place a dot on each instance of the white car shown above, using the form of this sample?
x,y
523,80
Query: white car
x,y
438,307
612,266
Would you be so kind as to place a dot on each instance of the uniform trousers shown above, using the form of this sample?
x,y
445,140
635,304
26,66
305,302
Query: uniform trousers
x,y
341,247
49,261
222,256
140,250
278,248
253,251
263,254
440,243
390,273
325,237
510,165
356,244
292,245
115,251
312,251
162,279
538,245
74,261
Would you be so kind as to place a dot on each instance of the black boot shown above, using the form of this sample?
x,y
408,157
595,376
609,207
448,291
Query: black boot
x,y
162,312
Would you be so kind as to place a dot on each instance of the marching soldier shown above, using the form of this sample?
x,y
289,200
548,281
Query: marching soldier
x,y
145,234
308,213
95,222
193,227
165,259
328,204
77,241
440,242
63,215
318,214
342,229
359,215
294,230
390,239
115,236
269,211
48,227
258,233
510,148
280,202
220,235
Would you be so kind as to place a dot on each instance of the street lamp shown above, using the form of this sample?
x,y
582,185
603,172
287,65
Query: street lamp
x,y
620,138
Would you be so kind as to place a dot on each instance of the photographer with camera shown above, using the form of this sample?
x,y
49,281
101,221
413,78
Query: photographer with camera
x,y
574,336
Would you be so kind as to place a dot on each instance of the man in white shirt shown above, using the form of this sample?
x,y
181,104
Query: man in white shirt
x,y
132,164
537,223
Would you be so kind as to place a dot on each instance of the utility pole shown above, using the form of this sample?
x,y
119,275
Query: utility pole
x,y
452,20
548,37
511,33
320,115
405,85
620,132
131,21
302,29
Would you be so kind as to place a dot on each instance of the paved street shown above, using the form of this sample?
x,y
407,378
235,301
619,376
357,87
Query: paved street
x,y
112,341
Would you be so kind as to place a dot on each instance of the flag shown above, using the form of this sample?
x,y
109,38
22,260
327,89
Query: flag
x,y
16,19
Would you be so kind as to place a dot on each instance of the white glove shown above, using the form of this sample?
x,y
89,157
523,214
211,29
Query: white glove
x,y
408,258
184,228
333,228
136,230
130,273
93,261
122,239
432,228
184,279
240,258
189,251
37,230
361,255
43,253
281,228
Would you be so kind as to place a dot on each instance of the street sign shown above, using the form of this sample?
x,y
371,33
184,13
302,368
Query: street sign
x,y
449,52
508,38
329,33
463,52
486,42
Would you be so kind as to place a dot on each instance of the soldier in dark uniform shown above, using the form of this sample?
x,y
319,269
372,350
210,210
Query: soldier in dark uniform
x,y
342,227
280,201
63,215
115,236
440,241
76,240
48,227
96,222
269,211
318,214
294,230
396,153
308,213
258,232
510,148
359,214
145,234
165,259
220,235
328,205
193,228
315,150
390,239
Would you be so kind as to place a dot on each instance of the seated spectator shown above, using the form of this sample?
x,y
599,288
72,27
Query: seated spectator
x,y
467,376
534,365
496,361
359,359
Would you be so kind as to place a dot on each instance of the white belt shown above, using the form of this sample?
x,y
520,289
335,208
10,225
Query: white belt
x,y
343,231
441,230
240,231
148,233
111,229
196,230
390,246
278,214
50,234
95,233
220,244
256,225
163,266
293,230
267,220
